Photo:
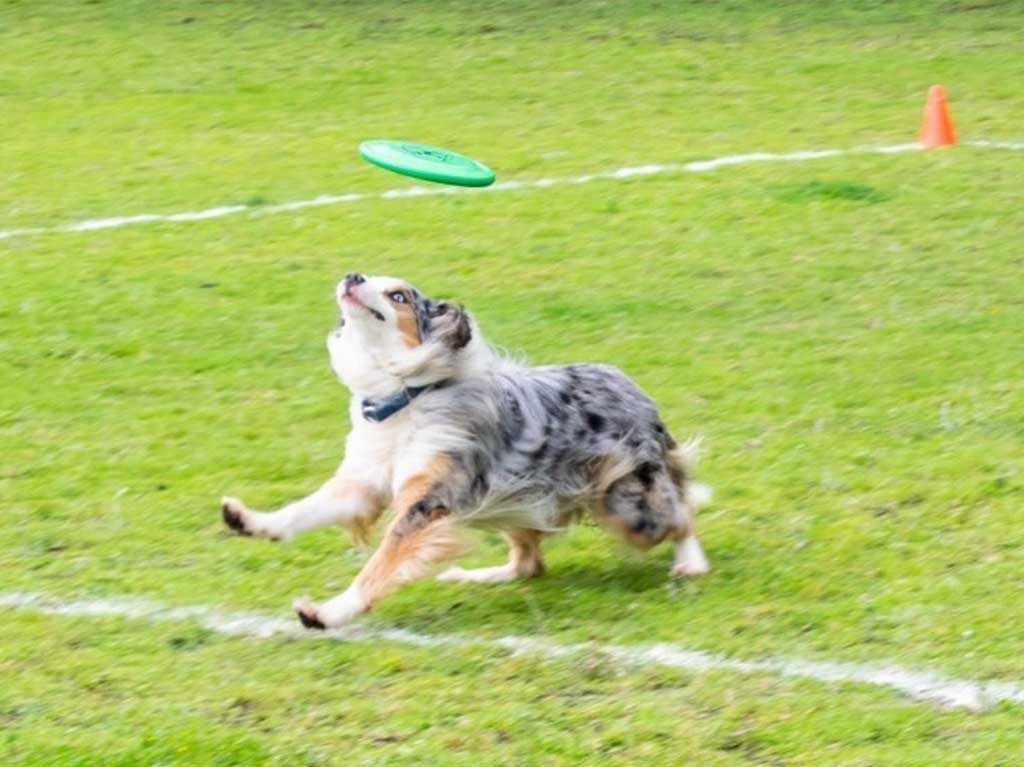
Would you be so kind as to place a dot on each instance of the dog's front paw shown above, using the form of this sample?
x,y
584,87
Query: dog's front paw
x,y
236,515
333,613
307,612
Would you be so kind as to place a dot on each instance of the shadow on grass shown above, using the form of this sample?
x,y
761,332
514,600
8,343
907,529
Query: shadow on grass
x,y
580,597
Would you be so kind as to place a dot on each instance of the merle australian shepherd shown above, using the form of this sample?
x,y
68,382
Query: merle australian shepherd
x,y
449,433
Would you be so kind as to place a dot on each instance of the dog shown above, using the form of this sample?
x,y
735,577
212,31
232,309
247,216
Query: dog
x,y
450,433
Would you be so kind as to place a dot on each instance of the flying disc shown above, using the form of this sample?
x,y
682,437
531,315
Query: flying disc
x,y
429,163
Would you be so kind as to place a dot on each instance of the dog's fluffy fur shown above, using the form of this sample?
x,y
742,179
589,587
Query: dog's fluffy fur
x,y
488,442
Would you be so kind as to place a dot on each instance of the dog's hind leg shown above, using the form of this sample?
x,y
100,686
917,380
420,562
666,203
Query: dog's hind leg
x,y
424,532
690,560
647,506
524,561
342,500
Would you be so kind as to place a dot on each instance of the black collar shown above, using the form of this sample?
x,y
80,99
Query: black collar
x,y
377,410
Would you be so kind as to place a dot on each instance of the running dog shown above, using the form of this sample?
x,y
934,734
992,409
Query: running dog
x,y
449,433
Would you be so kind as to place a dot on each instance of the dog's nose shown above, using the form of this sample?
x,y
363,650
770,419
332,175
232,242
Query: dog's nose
x,y
354,278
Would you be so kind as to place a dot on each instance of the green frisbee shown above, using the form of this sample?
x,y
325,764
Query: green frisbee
x,y
429,163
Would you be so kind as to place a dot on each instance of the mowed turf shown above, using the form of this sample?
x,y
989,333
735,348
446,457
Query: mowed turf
x,y
845,332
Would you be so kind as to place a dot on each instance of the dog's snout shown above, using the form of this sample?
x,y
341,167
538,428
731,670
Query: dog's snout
x,y
354,278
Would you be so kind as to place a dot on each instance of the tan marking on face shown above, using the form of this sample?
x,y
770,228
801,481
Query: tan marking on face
x,y
408,325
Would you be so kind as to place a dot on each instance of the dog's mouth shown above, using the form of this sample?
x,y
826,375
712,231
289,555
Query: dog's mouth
x,y
353,300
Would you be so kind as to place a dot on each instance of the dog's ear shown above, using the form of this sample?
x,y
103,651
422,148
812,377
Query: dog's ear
x,y
450,324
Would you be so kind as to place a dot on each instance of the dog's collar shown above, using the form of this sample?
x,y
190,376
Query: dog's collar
x,y
377,410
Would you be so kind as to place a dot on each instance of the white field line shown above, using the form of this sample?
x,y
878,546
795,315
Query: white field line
x,y
920,685
1016,146
698,166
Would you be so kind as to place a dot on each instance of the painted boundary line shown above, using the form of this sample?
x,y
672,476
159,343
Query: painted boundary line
x,y
698,166
919,685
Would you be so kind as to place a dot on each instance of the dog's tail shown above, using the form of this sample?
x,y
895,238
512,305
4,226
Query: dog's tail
x,y
682,463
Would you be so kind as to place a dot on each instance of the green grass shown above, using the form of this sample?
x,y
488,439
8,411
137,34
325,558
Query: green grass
x,y
846,333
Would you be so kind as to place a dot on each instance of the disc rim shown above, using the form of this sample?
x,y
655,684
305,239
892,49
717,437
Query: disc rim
x,y
474,173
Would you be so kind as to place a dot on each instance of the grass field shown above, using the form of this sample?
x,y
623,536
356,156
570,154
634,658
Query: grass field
x,y
845,332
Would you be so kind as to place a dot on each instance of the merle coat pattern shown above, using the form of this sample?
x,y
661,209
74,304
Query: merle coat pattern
x,y
449,434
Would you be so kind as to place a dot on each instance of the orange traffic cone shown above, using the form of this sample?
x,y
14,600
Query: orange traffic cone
x,y
937,126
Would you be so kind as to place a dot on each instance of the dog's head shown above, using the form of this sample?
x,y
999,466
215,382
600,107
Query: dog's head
x,y
392,313
394,336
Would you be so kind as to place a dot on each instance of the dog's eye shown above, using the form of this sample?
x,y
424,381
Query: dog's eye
x,y
398,297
